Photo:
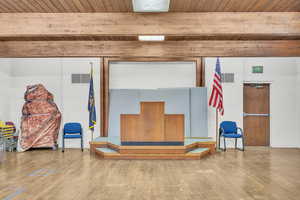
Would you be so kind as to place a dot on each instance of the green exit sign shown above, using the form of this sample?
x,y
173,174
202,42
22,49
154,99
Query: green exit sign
x,y
257,69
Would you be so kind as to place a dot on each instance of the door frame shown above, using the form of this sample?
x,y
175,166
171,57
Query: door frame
x,y
270,111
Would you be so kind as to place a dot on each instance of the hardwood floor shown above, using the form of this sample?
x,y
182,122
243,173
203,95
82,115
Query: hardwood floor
x,y
257,173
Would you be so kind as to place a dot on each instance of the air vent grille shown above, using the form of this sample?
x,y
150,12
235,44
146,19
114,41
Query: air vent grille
x,y
80,78
228,77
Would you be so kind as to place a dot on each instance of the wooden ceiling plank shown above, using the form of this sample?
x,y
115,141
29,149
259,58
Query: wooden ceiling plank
x,y
61,5
89,7
187,5
51,6
70,5
129,5
65,5
5,8
35,5
107,5
264,5
222,5
32,6
102,5
126,6
94,5
175,5
249,6
296,5
172,6
214,5
45,7
210,5
291,5
23,6
13,5
195,5
118,5
79,6
271,5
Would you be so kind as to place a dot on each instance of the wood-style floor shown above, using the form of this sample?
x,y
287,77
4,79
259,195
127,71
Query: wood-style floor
x,y
257,173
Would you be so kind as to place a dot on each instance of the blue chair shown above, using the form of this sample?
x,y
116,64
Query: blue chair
x,y
72,131
229,129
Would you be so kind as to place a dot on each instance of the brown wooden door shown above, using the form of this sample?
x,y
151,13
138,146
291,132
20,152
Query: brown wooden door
x,y
257,114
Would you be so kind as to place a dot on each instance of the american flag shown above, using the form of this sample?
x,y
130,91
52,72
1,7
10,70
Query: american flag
x,y
216,97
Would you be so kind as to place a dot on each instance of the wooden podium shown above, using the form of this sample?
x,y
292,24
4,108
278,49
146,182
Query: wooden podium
x,y
152,126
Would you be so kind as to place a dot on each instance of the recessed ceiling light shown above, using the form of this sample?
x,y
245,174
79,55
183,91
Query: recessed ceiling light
x,y
151,5
151,37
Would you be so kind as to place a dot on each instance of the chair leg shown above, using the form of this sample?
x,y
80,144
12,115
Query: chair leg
x,y
235,144
224,143
63,144
243,143
81,143
219,145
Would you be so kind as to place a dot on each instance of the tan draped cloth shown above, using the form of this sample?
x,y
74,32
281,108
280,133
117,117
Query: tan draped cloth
x,y
40,121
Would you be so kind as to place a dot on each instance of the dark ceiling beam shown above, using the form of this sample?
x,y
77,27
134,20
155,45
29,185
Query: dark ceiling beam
x,y
131,49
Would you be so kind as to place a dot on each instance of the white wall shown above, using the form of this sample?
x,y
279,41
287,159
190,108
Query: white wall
x,y
149,75
298,98
233,93
281,73
55,75
75,96
71,99
26,72
4,89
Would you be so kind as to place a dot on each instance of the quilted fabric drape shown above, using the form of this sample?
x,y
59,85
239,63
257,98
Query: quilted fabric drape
x,y
41,119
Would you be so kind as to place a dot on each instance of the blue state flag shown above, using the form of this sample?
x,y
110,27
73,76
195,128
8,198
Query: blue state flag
x,y
91,104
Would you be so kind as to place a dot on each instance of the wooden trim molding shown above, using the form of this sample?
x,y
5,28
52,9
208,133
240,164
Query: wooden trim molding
x,y
202,72
104,81
199,72
104,98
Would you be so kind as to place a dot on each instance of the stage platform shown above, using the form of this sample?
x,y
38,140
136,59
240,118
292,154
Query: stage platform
x,y
193,148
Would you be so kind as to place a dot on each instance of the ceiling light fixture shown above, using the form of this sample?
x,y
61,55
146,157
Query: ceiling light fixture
x,y
151,38
151,5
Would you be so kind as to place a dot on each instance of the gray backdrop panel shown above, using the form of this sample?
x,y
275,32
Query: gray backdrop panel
x,y
192,102
177,101
122,101
199,111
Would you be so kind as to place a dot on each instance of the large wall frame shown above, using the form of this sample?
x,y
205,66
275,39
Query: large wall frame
x,y
104,81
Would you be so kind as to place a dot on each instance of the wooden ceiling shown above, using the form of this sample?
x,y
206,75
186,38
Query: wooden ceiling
x,y
61,6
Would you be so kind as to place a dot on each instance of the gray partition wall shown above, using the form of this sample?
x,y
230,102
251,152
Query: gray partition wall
x,y
198,111
192,102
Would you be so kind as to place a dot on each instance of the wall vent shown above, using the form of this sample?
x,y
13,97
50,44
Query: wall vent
x,y
228,77
80,78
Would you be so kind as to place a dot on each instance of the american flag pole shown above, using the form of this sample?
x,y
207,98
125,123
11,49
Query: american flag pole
x,y
216,98
217,130
92,130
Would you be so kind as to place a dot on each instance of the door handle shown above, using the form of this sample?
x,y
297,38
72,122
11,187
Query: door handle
x,y
255,115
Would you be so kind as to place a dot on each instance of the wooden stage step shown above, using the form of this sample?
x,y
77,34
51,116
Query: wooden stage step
x,y
192,151
108,153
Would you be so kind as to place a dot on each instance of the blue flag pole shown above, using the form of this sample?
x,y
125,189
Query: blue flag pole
x,y
91,104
